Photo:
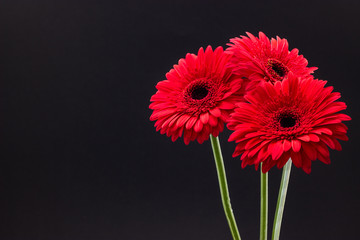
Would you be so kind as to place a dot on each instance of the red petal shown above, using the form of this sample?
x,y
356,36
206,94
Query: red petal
x,y
215,112
322,130
309,151
190,123
226,105
306,163
161,114
204,118
314,138
285,88
296,159
286,145
213,121
263,154
277,150
252,143
296,145
304,138
255,150
198,126
182,120
328,141
323,159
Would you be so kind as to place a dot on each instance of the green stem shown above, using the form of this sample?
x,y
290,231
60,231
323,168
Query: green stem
x,y
223,187
263,205
281,200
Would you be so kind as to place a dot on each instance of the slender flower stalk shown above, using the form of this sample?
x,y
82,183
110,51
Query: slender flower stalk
x,y
263,205
223,187
281,200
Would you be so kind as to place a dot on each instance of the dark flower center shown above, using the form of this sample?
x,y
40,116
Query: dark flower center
x,y
287,121
199,92
199,95
277,69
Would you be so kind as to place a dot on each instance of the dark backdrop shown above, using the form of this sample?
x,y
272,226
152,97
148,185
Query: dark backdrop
x,y
79,158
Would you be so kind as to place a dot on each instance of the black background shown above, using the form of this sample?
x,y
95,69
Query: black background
x,y
79,158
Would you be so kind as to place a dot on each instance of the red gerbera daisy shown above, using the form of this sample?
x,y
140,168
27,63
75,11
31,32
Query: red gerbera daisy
x,y
261,59
290,119
197,97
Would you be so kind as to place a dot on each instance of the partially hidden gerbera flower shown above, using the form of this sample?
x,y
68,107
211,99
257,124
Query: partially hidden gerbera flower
x,y
198,96
289,119
261,59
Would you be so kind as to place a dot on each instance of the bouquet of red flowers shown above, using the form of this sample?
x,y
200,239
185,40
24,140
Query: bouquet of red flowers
x,y
266,94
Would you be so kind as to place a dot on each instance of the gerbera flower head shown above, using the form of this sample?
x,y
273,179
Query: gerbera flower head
x,y
297,119
198,96
261,59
